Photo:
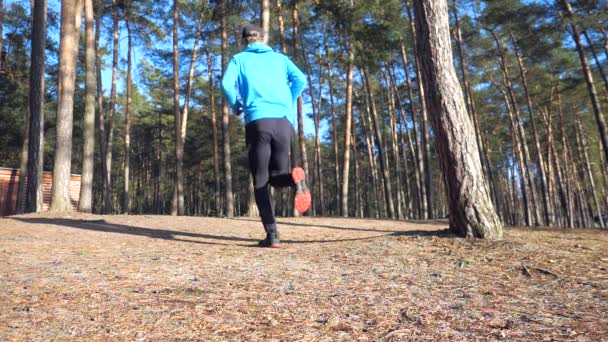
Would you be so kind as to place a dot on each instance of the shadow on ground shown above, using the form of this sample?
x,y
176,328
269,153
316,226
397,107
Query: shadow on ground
x,y
180,236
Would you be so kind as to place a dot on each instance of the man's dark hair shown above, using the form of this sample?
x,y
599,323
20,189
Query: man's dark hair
x,y
252,33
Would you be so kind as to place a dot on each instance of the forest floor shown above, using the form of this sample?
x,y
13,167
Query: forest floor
x,y
158,278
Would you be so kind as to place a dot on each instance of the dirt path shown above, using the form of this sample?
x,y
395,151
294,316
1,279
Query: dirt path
x,y
88,277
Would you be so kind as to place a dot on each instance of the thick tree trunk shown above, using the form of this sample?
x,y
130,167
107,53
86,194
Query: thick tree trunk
x,y
471,210
108,201
33,193
71,13
472,109
177,207
229,201
88,150
381,151
216,150
597,109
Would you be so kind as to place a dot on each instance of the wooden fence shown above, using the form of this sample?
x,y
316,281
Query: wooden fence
x,y
9,185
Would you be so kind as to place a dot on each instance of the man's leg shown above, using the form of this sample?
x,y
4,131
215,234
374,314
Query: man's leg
x,y
259,138
283,172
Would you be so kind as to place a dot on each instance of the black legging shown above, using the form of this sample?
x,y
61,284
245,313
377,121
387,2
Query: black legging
x,y
269,141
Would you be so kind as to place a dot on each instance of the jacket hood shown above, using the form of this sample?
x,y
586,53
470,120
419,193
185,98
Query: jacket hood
x,y
258,48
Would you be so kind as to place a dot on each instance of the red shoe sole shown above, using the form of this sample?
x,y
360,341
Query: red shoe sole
x,y
298,174
302,202
302,199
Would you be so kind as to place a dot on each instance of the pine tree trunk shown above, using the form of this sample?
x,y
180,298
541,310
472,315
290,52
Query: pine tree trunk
x,y
592,188
407,197
216,152
265,19
427,211
414,146
88,150
381,151
347,130
567,165
520,130
23,160
597,110
472,109
101,113
369,143
108,202
334,131
548,210
126,200
300,110
71,12
395,148
33,197
471,210
517,152
598,63
229,201
177,206
281,27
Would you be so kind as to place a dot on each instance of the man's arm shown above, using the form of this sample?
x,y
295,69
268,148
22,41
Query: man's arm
x,y
229,86
296,78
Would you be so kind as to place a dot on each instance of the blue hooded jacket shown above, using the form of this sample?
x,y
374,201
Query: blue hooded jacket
x,y
264,83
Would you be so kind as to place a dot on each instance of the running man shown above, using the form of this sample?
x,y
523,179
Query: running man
x,y
264,85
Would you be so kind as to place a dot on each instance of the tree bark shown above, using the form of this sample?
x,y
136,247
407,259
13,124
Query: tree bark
x,y
471,211
414,146
126,200
347,123
216,150
390,206
300,110
108,201
88,150
229,205
265,19
548,210
597,109
520,129
585,158
177,207
281,26
101,113
71,11
334,127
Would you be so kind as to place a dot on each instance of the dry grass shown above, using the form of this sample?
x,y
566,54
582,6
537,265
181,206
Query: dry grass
x,y
87,277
